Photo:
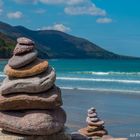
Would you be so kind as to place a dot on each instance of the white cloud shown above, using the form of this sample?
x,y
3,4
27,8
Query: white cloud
x,y
85,10
78,7
40,11
15,15
1,7
73,7
26,1
104,20
68,2
58,27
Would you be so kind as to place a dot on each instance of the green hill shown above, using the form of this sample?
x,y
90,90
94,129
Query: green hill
x,y
52,44
6,46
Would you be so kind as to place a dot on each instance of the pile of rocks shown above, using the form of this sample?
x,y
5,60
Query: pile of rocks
x,y
95,126
30,103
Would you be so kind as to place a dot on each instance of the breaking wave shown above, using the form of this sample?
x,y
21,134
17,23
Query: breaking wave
x,y
99,80
103,90
107,73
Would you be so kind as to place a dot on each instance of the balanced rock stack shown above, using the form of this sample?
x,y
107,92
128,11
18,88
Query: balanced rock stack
x,y
95,128
30,103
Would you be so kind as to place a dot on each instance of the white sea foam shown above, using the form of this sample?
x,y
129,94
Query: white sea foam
x,y
107,73
103,90
2,74
99,80
100,73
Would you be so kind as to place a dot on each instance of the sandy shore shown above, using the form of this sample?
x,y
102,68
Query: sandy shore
x,y
121,112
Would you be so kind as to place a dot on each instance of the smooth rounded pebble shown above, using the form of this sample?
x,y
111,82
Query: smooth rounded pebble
x,y
99,133
93,109
92,115
90,111
36,67
98,123
92,119
33,122
107,137
94,128
36,84
25,41
50,99
22,49
18,61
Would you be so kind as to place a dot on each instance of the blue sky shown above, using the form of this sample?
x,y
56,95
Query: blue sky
x,y
111,24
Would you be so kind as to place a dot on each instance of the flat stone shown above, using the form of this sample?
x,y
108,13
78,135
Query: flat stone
x,y
92,115
18,61
57,136
50,99
37,84
91,110
98,123
25,41
95,138
94,128
22,49
99,133
33,122
36,67
107,137
92,119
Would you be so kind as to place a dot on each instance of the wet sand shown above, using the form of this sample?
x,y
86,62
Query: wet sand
x,y
121,112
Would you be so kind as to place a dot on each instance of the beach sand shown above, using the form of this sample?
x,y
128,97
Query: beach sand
x,y
121,112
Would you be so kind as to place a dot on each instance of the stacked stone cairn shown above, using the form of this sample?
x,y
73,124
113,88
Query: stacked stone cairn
x,y
95,128
30,102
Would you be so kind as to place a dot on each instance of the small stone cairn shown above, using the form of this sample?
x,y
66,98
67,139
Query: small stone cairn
x,y
30,102
95,126
95,129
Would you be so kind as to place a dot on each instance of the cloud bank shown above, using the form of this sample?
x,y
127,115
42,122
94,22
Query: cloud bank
x,y
104,20
15,15
1,7
58,27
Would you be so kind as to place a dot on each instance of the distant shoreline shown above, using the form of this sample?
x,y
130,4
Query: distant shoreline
x,y
114,59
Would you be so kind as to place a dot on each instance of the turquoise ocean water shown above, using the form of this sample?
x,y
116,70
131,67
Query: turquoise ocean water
x,y
119,111
92,74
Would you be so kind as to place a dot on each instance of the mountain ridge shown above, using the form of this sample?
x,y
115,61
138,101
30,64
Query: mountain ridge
x,y
54,44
